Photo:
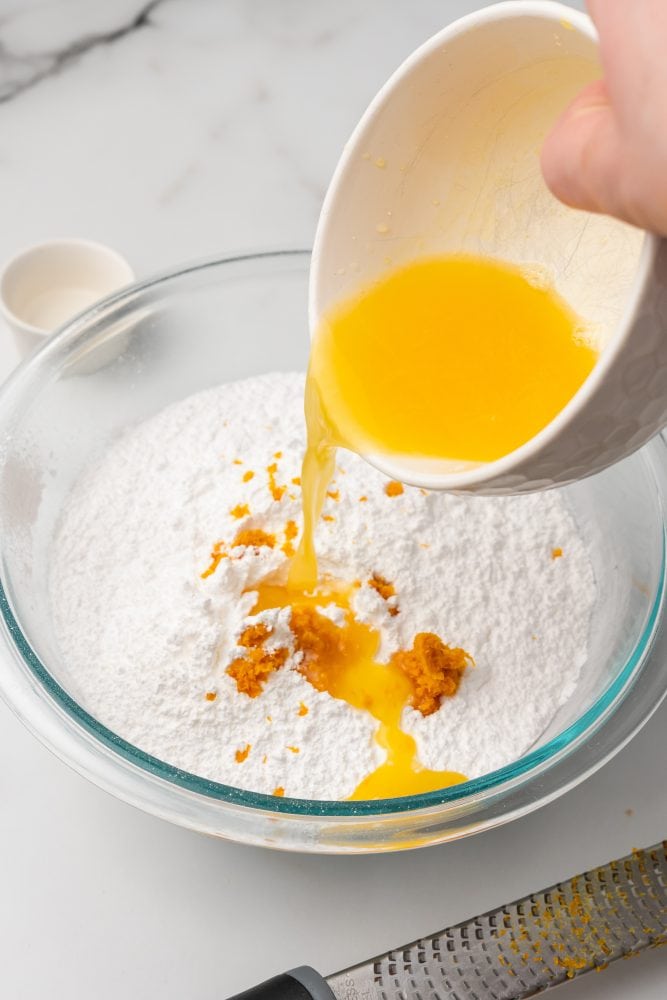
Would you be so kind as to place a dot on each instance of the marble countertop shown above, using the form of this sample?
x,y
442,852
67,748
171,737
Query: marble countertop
x,y
171,130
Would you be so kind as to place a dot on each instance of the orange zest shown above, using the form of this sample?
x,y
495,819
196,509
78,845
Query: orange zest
x,y
291,531
252,670
277,492
217,555
254,538
382,587
434,670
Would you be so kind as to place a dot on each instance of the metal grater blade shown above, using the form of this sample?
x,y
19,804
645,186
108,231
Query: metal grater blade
x,y
529,946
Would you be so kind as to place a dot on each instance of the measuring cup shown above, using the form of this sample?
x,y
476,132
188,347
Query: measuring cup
x,y
446,160
46,284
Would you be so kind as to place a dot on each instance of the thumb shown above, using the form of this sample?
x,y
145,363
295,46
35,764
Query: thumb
x,y
581,156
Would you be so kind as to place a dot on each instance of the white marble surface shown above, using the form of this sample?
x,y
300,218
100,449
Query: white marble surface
x,y
171,130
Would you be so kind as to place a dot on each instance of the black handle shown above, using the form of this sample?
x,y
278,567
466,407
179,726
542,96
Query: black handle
x,y
298,984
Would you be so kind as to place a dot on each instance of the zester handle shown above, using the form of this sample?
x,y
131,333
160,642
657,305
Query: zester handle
x,y
527,947
297,984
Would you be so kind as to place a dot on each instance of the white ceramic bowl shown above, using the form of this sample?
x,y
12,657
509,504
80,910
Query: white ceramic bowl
x,y
446,160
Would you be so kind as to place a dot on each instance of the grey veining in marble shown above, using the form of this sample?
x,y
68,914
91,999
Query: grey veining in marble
x,y
23,70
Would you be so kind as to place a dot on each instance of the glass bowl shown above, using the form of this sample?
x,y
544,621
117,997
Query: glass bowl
x,y
155,343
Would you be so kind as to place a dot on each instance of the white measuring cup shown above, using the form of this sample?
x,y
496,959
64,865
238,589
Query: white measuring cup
x,y
446,160
46,284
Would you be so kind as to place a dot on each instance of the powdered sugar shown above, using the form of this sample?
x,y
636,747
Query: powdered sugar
x,y
148,639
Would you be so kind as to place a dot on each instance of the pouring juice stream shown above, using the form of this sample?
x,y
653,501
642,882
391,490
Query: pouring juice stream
x,y
456,358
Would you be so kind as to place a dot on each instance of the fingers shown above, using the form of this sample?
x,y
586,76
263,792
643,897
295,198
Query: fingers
x,y
608,151
581,155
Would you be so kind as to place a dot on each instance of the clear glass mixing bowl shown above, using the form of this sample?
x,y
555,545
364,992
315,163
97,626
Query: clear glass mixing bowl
x,y
226,319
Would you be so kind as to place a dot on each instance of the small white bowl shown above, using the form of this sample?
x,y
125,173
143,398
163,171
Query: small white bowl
x,y
47,284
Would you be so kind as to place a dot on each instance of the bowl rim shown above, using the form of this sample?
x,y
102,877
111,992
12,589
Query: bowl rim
x,y
498,782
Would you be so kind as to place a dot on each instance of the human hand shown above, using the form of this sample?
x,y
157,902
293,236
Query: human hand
x,y
608,151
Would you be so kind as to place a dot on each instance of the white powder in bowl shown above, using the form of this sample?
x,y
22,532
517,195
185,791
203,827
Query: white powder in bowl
x,y
149,640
